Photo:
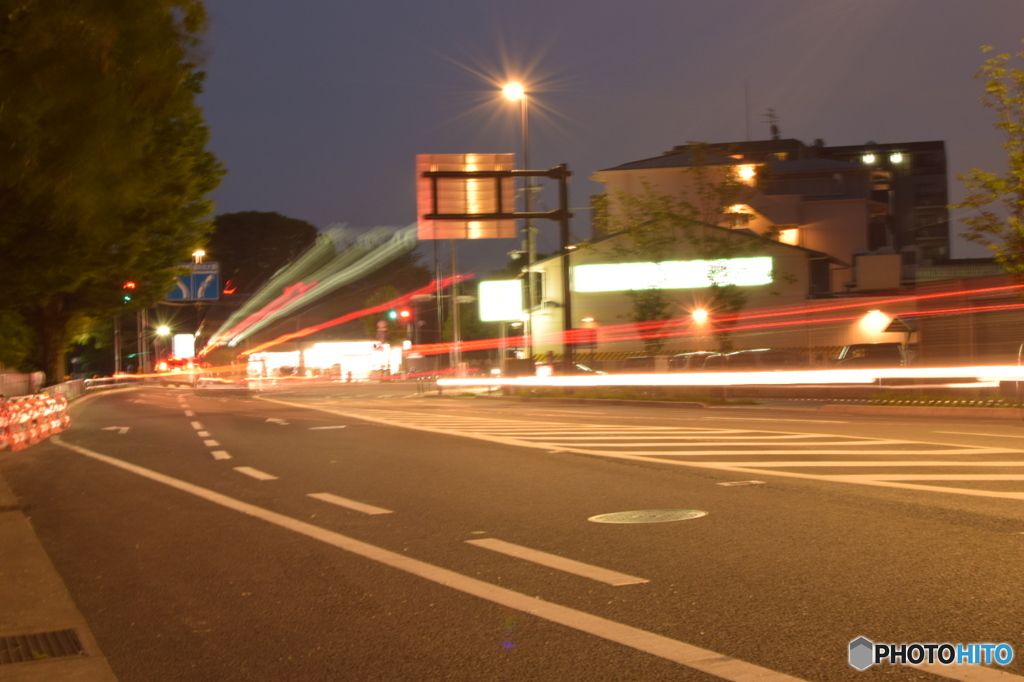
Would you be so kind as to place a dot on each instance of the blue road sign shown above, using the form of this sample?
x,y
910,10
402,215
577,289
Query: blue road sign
x,y
201,284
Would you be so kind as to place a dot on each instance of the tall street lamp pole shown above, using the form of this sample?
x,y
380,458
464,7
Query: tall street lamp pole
x,y
516,92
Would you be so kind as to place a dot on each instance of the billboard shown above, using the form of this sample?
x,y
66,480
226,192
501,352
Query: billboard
x,y
464,196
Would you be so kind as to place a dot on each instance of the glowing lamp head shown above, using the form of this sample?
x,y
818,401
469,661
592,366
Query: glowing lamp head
x,y
514,91
163,330
868,158
699,315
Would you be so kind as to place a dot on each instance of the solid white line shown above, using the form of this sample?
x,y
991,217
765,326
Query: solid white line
x,y
838,463
255,473
987,435
968,673
210,443
350,504
683,436
197,426
780,452
220,454
691,656
940,477
558,563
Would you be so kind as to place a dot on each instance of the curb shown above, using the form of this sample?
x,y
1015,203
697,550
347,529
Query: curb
x,y
36,601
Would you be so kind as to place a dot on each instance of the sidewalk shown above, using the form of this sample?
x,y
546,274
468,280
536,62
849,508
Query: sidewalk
x,y
43,637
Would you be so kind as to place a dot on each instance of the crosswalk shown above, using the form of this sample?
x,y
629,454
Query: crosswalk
x,y
886,462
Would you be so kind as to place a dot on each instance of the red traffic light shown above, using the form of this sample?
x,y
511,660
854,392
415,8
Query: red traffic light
x,y
129,285
404,314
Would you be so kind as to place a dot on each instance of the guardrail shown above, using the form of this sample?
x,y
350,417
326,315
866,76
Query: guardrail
x,y
29,419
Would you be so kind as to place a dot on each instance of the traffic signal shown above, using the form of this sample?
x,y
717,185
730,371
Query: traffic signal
x,y
392,314
128,288
404,314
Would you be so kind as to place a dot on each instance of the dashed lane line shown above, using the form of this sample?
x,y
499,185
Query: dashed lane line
x,y
688,655
349,504
256,473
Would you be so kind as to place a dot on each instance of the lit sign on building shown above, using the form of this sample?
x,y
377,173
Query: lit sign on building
x,y
677,274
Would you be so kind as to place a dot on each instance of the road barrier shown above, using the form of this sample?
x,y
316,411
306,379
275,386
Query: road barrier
x,y
29,419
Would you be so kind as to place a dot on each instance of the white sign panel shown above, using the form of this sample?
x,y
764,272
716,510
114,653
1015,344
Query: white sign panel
x,y
501,300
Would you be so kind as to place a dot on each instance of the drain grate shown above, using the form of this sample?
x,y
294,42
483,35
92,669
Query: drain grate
x,y
648,516
39,646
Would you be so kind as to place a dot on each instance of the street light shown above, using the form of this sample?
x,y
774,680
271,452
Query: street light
x,y
515,91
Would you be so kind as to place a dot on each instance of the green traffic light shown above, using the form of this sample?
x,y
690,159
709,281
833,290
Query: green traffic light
x,y
392,314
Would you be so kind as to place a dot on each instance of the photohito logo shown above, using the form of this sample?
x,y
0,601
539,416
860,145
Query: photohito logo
x,y
864,653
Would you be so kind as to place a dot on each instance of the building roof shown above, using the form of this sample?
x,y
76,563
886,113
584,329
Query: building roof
x,y
810,253
681,159
809,165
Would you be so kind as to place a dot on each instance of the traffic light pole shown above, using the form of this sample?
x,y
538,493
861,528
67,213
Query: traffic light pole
x,y
561,214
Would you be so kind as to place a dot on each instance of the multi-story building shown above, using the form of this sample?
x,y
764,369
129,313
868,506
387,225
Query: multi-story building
x,y
848,201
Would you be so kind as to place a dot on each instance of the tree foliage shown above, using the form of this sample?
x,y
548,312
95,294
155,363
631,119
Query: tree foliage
x,y
997,199
652,226
106,175
251,246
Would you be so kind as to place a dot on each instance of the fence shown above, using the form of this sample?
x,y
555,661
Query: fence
x,y
21,384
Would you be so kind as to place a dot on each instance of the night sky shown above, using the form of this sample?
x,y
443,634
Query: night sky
x,y
318,107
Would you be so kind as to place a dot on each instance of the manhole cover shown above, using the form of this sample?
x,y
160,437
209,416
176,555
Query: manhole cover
x,y
648,516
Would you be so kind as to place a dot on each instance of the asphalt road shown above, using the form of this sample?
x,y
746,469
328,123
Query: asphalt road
x,y
364,533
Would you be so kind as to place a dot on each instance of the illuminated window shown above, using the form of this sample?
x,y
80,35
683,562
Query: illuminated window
x,y
790,236
746,173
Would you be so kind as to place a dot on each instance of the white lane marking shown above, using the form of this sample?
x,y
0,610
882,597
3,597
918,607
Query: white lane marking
x,y
759,419
256,473
220,454
987,435
557,562
685,654
350,504
198,426
659,456
121,430
745,453
189,413
940,477
967,673
840,464
277,420
203,434
324,428
686,436
210,443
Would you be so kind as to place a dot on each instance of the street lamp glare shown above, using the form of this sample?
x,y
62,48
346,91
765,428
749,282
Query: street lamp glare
x,y
163,330
514,91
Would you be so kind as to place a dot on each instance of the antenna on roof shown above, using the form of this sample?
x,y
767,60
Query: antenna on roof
x,y
746,106
773,122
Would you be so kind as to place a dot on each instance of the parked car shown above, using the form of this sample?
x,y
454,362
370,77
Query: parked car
x,y
765,359
761,359
640,364
688,362
871,355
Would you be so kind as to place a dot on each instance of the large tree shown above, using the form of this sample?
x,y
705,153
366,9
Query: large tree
x,y
251,246
996,200
105,175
